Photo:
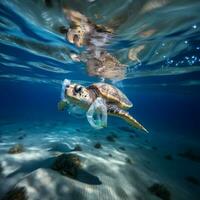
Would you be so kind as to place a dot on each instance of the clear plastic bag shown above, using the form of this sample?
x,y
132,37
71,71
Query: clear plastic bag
x,y
65,83
97,114
76,111
63,103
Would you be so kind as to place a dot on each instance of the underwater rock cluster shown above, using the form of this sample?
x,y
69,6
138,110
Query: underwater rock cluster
x,y
67,164
190,155
110,138
154,148
17,193
77,148
1,169
21,137
128,160
18,148
193,180
122,148
160,190
98,145
168,157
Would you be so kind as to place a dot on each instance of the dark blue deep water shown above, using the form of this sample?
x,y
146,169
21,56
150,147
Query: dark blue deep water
x,y
158,41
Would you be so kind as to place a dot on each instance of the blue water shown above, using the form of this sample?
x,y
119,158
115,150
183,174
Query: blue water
x,y
162,80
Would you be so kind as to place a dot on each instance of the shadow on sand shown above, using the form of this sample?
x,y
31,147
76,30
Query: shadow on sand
x,y
28,167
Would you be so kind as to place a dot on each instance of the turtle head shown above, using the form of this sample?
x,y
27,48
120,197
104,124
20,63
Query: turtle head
x,y
76,36
78,32
78,95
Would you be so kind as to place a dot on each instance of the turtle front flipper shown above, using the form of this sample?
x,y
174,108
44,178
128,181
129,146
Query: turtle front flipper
x,y
116,111
62,105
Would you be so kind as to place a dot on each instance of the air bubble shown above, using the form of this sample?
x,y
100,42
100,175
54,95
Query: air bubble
x,y
194,26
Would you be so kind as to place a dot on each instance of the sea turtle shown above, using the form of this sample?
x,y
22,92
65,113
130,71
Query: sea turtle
x,y
116,102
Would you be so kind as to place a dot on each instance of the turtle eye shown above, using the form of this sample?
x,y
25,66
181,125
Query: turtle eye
x,y
76,38
78,88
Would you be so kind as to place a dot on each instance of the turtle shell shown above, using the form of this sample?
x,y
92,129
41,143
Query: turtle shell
x,y
112,95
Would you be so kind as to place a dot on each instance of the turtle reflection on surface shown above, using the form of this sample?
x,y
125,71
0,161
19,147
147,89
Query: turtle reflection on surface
x,y
106,65
94,37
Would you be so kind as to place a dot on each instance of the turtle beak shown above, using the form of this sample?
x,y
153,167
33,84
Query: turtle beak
x,y
70,36
74,38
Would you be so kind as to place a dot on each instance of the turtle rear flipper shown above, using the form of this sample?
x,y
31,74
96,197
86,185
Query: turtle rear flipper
x,y
116,111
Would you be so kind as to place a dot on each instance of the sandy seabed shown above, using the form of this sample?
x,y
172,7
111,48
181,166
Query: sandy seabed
x,y
124,168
